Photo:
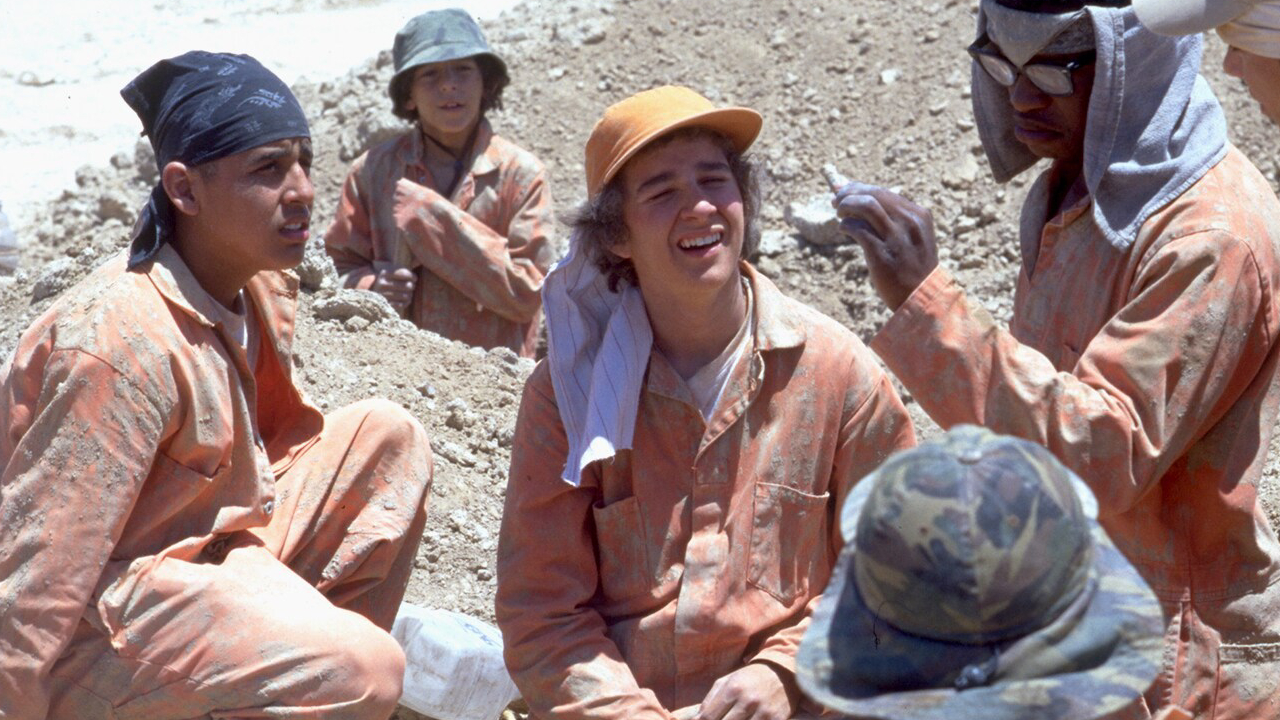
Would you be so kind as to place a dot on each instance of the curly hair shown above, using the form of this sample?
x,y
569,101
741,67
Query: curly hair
x,y
492,74
600,224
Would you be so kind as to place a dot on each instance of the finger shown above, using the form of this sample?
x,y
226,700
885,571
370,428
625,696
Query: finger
x,y
403,275
855,226
715,704
866,207
920,225
740,711
853,187
878,254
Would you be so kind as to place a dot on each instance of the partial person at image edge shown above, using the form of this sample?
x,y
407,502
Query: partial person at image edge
x,y
1145,339
182,534
1251,29
976,582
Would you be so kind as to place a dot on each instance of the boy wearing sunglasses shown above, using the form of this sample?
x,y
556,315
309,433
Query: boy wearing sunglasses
x,y
1143,345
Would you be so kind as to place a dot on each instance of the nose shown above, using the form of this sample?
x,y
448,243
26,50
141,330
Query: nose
x,y
701,207
300,189
1233,63
1025,96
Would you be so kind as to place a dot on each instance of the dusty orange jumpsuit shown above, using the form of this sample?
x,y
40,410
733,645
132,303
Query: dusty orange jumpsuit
x,y
184,536
1150,372
705,546
480,254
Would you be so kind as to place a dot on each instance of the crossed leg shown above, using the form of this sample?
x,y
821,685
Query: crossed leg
x,y
290,622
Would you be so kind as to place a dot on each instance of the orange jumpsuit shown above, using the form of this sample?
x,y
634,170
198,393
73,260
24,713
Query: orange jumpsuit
x,y
182,535
480,254
1151,372
706,545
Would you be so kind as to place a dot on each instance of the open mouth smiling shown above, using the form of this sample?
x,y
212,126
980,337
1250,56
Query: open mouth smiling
x,y
700,243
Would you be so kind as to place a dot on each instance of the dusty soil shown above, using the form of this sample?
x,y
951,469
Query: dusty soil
x,y
880,90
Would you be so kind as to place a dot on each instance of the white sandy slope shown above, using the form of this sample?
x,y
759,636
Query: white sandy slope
x,y
63,62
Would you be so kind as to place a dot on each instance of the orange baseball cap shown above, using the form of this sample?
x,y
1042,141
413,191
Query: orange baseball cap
x,y
627,126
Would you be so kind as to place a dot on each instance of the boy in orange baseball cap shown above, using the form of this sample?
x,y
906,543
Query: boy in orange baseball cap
x,y
680,455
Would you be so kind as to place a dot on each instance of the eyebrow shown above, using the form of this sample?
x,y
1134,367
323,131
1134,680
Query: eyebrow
x,y
663,177
276,152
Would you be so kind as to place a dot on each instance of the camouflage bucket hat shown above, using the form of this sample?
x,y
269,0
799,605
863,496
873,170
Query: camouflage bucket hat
x,y
437,36
975,582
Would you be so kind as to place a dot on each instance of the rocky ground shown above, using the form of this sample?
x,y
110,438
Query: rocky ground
x,y
881,90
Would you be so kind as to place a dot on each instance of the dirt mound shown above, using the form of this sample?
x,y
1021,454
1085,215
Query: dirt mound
x,y
881,90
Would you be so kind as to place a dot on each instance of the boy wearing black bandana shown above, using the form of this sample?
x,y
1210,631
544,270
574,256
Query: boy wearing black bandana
x,y
182,534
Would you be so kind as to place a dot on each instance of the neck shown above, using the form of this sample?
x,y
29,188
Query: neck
x,y
222,282
1062,182
691,332
450,145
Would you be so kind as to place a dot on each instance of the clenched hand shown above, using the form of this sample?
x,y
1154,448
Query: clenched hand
x,y
896,236
396,285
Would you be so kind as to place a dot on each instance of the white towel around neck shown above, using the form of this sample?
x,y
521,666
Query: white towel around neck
x,y
598,346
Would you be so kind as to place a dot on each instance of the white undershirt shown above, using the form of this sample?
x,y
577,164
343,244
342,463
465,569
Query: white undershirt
x,y
241,325
707,384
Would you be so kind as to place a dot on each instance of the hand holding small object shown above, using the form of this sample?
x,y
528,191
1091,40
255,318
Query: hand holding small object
x,y
895,234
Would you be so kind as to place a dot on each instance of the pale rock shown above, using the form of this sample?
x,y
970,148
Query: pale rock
x,y
815,221
55,277
776,242
964,174
347,303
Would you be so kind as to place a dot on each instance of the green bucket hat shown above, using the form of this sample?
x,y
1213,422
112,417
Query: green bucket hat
x,y
437,36
976,582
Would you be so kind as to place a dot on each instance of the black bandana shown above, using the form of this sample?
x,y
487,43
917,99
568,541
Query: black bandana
x,y
199,107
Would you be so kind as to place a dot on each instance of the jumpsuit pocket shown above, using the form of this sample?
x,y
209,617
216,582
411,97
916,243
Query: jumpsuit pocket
x,y
171,488
622,554
1248,682
788,541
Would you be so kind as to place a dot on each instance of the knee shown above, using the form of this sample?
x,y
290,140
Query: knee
x,y
394,442
396,432
371,664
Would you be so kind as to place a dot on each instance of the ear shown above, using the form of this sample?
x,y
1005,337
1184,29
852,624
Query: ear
x,y
178,181
622,249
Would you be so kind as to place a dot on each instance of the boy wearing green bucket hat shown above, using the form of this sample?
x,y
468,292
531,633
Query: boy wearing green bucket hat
x,y
448,221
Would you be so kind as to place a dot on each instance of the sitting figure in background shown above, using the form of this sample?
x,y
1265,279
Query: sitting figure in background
x,y
182,534
448,221
679,456
977,583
